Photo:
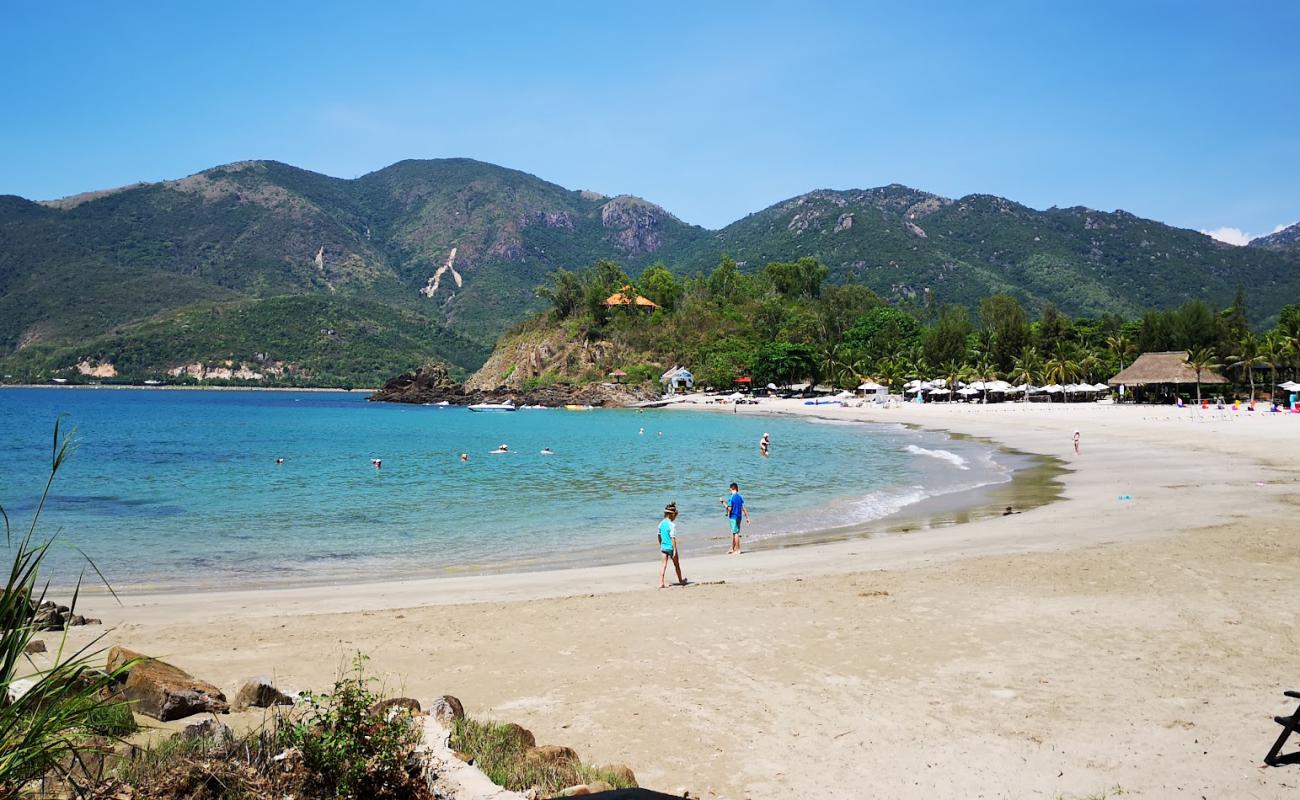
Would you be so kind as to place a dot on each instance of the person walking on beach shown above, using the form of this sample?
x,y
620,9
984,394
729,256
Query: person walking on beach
x,y
735,507
668,545
1076,443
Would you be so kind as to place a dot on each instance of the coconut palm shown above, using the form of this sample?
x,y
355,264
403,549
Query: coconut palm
x,y
1201,360
1026,367
1122,347
1060,368
1249,355
1275,351
984,370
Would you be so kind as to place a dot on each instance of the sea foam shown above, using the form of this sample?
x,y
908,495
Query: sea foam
x,y
943,455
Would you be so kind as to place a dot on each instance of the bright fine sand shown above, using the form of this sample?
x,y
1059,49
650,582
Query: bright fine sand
x,y
1085,645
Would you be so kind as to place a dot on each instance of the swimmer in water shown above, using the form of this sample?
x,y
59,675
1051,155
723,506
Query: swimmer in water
x,y
764,444
503,448
546,451
376,462
279,461
641,432
464,456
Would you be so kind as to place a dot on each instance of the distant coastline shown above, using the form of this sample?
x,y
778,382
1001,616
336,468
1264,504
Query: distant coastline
x,y
354,389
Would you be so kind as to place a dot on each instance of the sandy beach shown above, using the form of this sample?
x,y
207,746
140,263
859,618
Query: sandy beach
x,y
1089,644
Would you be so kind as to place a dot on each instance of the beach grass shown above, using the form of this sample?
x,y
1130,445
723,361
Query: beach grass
x,y
49,728
496,749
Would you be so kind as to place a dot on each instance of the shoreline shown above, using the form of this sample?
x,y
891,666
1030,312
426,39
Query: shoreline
x,y
1032,481
1087,644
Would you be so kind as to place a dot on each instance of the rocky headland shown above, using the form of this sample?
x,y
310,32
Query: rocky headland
x,y
432,384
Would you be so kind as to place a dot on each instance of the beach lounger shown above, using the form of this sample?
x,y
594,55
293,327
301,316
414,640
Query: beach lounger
x,y
1289,725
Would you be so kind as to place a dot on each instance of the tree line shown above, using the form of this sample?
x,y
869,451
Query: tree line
x,y
785,323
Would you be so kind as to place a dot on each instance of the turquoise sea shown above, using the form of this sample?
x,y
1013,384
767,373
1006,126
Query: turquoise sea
x,y
181,489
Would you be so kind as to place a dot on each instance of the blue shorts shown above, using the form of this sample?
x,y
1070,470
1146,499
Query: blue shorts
x,y
668,553
735,526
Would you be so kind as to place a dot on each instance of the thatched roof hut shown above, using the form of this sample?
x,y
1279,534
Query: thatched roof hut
x,y
626,297
1163,368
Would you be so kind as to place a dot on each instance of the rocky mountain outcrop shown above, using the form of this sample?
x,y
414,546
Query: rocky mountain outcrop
x,y
1286,239
638,226
432,385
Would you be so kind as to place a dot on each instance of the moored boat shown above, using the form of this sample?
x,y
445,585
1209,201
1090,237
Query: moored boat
x,y
508,405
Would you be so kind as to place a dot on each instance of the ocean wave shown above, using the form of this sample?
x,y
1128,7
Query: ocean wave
x,y
943,455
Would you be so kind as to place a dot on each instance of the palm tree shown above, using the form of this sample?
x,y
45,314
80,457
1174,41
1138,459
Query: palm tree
x,y
1060,368
1026,367
1275,352
984,370
1122,347
954,372
1248,356
1201,359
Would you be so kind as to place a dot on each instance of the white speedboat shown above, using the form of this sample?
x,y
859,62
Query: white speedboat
x,y
506,406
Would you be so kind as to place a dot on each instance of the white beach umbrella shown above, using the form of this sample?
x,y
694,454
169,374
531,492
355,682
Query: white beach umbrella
x,y
1053,388
969,390
1290,386
771,386
1101,387
870,386
940,391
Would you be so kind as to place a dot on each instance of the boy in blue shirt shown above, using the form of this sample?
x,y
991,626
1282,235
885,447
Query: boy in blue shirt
x,y
735,507
668,545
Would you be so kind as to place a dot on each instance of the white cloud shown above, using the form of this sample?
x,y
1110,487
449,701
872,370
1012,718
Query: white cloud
x,y
1230,235
1237,236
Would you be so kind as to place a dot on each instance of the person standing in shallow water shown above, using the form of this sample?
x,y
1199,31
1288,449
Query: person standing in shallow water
x,y
668,545
735,507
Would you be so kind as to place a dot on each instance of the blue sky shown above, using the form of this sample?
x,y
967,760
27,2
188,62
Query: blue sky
x,y
1181,111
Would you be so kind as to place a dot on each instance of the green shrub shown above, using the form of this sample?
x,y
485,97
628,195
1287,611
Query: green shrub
x,y
347,751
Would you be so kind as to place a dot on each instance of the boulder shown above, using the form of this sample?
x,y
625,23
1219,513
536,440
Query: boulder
x,y
34,646
581,790
218,732
50,616
384,708
260,693
597,787
447,710
162,691
550,754
520,735
622,773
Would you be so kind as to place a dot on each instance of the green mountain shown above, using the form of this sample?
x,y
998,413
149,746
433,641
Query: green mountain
x,y
901,242
261,267
451,248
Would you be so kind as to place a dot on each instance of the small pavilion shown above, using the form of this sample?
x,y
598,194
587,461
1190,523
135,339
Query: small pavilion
x,y
1156,377
627,297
